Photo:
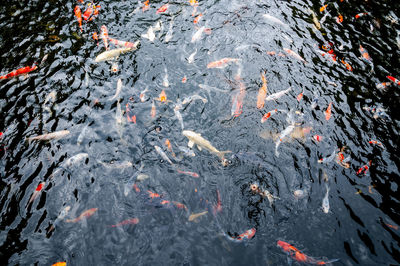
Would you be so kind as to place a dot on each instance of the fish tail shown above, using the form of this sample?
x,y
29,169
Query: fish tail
x,y
221,154
329,261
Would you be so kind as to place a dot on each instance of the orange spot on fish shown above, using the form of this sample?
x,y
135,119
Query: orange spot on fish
x,y
163,96
328,112
78,15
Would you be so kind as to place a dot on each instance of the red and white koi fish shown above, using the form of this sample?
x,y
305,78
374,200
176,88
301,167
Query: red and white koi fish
x,y
38,190
20,71
317,138
364,169
395,80
301,257
104,35
383,85
197,19
162,9
249,234
278,94
328,112
268,115
91,12
339,19
83,215
222,62
374,142
122,43
359,15
78,15
262,92
126,222
294,54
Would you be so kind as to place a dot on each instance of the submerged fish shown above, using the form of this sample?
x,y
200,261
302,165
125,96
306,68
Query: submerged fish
x,y
277,95
194,216
222,62
162,154
118,91
325,201
83,215
283,134
294,55
274,20
249,234
118,165
37,191
262,92
82,135
50,136
126,222
191,57
60,217
149,34
197,35
50,97
112,54
178,114
195,138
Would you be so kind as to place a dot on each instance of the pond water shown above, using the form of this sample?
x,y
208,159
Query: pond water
x,y
314,166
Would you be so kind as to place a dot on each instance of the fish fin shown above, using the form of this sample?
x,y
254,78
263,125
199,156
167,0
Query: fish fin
x,y
199,147
190,144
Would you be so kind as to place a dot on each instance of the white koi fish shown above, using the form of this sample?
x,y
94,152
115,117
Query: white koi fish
x,y
284,133
143,96
51,97
325,201
274,20
80,157
277,95
197,35
165,79
50,136
149,34
195,138
112,54
162,154
116,165
178,114
60,217
118,91
191,57
194,97
82,135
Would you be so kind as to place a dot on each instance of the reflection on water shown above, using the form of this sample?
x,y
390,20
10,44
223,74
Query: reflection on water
x,y
293,105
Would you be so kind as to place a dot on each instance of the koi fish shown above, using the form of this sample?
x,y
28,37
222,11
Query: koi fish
x,y
60,264
277,95
163,97
348,66
111,54
149,34
184,79
301,257
283,134
195,216
187,151
104,35
83,215
165,82
339,19
168,36
193,2
118,91
268,115
395,227
374,142
197,19
60,217
294,54
191,57
300,96
274,20
299,194
325,201
50,136
322,8
126,222
222,63
197,35
143,96
163,155
262,92
38,190
266,194
169,146
20,71
78,15
88,12
329,158
122,43
194,97
342,161
237,106
383,85
364,169
328,112
195,138
249,234
395,80
317,138
145,5
178,114
364,53
162,9
116,165
193,174
359,15
153,110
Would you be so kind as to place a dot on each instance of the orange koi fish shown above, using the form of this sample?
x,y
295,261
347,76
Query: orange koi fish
x,y
37,192
322,8
222,63
300,96
262,92
268,115
395,80
359,15
249,234
364,169
294,54
126,222
193,174
197,19
299,256
104,35
348,66
153,195
237,106
122,43
153,110
146,6
328,112
78,15
162,9
163,97
179,205
364,53
383,85
88,12
60,264
83,215
95,36
20,71
339,19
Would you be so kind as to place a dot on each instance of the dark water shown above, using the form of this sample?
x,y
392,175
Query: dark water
x,y
361,225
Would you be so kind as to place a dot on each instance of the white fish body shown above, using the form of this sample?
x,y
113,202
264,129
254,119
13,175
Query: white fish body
x,y
283,134
168,36
150,34
194,97
197,35
50,136
274,20
52,96
179,115
87,79
195,138
191,57
76,159
165,79
163,155
111,54
143,95
315,20
277,95
82,135
325,201
118,91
